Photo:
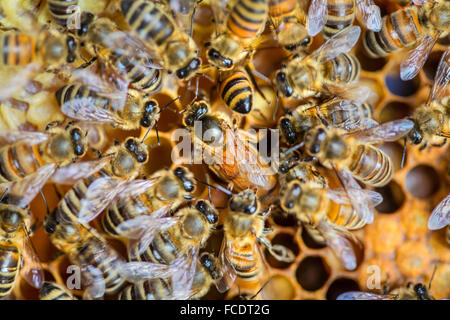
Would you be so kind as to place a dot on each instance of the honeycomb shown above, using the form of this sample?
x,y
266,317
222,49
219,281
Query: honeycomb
x,y
398,241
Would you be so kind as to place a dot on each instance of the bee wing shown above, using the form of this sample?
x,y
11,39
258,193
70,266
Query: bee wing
x,y
359,295
362,202
183,11
389,131
341,42
228,274
415,58
419,2
31,138
353,91
184,276
93,278
352,123
71,173
18,81
220,11
139,271
103,191
317,16
441,78
369,14
341,196
340,242
26,189
440,217
32,270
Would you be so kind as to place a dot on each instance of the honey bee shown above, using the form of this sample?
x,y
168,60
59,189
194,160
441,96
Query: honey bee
x,y
100,182
410,292
240,255
236,31
62,11
99,263
227,151
15,221
53,291
338,113
352,155
176,49
334,16
26,151
329,70
440,216
237,92
432,121
170,188
288,20
329,214
418,27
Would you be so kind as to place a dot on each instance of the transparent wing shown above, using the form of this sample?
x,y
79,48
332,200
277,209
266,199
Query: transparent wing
x,y
351,123
71,173
18,81
29,137
95,281
32,270
352,91
341,42
441,78
139,271
415,58
440,217
359,295
340,242
183,11
359,199
220,11
228,274
26,189
103,191
317,16
389,131
418,2
341,196
183,277
369,14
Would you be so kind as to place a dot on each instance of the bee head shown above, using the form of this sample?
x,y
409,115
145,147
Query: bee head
x,y
151,110
282,84
415,136
195,113
421,291
208,261
136,149
314,140
245,202
72,47
65,145
189,70
208,210
85,22
292,192
288,130
440,15
218,60
186,178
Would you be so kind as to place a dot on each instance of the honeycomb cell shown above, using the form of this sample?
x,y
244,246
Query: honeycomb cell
x,y
399,87
413,259
310,242
438,245
160,157
283,219
278,287
414,220
339,286
384,235
431,64
422,181
312,273
377,272
395,110
289,242
440,288
370,64
393,198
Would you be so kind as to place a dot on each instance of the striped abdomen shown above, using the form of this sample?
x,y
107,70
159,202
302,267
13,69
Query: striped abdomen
x,y
17,49
9,267
343,117
344,215
77,91
345,68
400,30
341,14
245,260
164,248
53,291
17,161
148,20
138,73
247,18
371,165
95,253
280,9
237,93
63,11
154,289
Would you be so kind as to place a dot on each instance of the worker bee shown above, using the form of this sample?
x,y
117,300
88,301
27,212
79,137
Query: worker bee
x,y
173,46
237,92
440,216
352,155
63,11
329,70
431,121
16,247
329,214
240,255
171,187
26,151
227,151
339,113
334,16
410,292
236,31
98,183
288,20
53,291
413,26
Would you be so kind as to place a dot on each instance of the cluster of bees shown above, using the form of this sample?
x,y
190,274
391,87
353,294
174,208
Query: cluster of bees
x,y
149,45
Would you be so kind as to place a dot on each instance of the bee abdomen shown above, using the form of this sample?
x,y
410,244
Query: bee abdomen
x,y
118,213
154,289
244,262
344,68
346,216
371,165
17,49
16,162
9,267
341,14
247,18
62,10
237,93
399,30
52,291
281,8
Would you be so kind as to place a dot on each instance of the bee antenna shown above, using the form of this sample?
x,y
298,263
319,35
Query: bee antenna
x,y
432,276
3,195
260,289
403,154
209,188
206,183
276,107
168,104
45,202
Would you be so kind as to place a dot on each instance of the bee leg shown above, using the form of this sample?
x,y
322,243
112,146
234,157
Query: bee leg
x,y
251,70
423,146
217,228
439,145
70,123
278,251
52,125
58,194
87,63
